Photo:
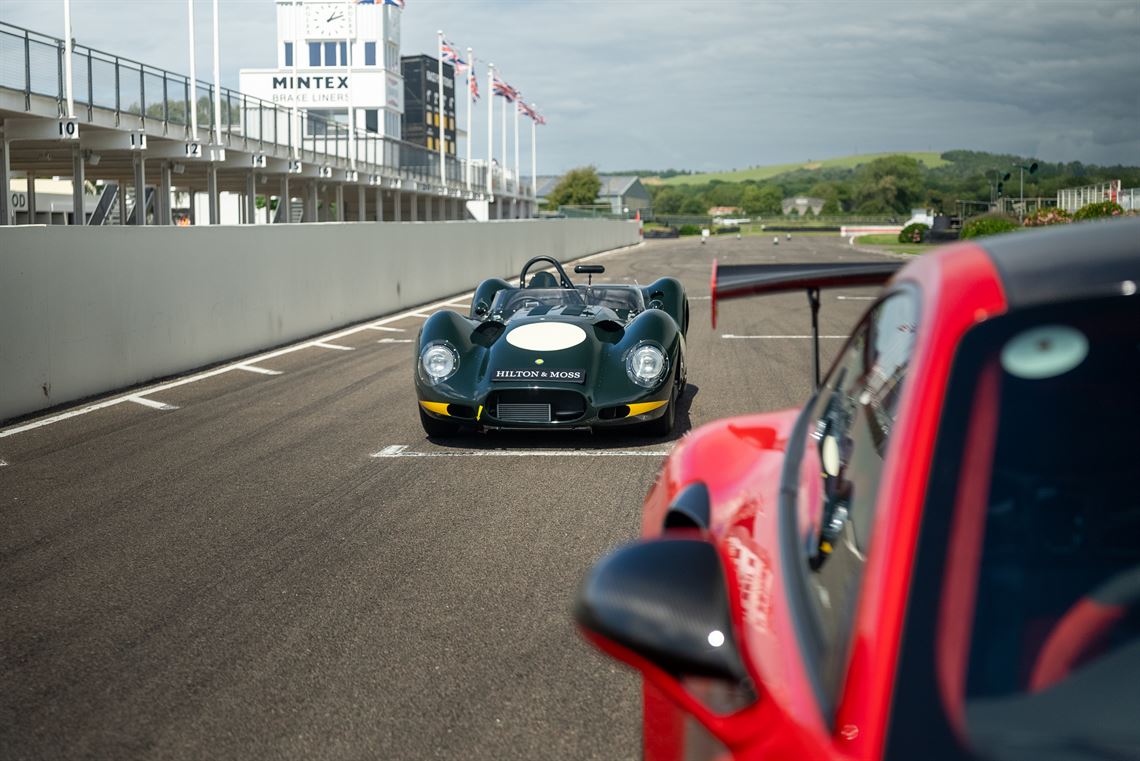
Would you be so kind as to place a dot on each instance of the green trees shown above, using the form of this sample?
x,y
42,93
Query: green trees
x,y
762,201
578,187
892,183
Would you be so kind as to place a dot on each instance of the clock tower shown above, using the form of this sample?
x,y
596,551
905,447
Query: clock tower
x,y
333,54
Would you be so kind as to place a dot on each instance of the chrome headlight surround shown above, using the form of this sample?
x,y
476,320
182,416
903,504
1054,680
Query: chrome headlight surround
x,y
646,364
437,362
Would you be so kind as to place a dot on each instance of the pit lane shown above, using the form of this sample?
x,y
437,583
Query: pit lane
x,y
237,569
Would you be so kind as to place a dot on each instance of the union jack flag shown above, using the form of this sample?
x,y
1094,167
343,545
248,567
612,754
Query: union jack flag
x,y
450,55
473,83
397,3
502,88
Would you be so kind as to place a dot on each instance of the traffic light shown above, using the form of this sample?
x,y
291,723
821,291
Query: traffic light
x,y
999,186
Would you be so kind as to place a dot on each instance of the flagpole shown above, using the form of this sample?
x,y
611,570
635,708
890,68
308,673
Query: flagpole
x,y
295,117
193,76
442,118
350,8
518,173
217,83
534,158
490,126
470,74
503,141
67,65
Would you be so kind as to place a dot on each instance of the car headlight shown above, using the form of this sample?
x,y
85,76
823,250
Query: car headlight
x,y
646,364
439,361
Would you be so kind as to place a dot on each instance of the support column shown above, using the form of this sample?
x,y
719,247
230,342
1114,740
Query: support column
x,y
78,196
398,206
162,211
339,195
361,204
193,206
212,194
31,197
379,204
287,210
7,215
414,200
429,208
251,198
311,203
139,164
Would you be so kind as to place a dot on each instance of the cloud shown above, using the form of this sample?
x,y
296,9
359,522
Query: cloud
x,y
722,84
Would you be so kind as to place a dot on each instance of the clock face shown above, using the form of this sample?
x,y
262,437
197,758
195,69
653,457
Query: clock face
x,y
329,20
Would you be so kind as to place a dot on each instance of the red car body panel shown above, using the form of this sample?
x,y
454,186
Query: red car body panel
x,y
741,462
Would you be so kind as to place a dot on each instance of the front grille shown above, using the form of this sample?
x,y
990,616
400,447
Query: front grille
x,y
536,405
524,413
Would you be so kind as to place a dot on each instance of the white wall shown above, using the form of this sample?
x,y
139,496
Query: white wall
x,y
87,310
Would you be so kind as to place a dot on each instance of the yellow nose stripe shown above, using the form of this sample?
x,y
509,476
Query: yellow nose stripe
x,y
439,408
643,407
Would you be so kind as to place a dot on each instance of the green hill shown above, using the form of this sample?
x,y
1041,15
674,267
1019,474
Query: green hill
x,y
931,159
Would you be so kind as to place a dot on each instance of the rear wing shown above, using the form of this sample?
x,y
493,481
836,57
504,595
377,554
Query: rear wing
x,y
734,281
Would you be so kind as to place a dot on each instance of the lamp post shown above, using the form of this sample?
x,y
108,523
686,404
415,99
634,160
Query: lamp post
x,y
1032,168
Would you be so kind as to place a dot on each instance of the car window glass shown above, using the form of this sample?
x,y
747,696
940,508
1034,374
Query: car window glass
x,y
845,449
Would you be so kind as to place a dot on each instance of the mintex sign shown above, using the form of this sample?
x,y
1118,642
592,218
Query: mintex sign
x,y
363,89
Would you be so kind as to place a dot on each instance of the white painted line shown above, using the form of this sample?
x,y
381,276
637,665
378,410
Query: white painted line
x,y
421,314
387,329
396,341
261,370
391,451
151,403
730,335
856,298
370,325
400,450
3,464
338,347
699,298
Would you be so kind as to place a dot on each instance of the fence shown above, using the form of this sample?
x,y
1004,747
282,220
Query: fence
x,y
33,63
1071,199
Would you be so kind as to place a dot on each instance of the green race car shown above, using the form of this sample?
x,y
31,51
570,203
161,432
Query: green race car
x,y
552,354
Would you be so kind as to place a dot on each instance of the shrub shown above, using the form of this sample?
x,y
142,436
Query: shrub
x,y
1051,216
988,224
914,233
1100,210
690,230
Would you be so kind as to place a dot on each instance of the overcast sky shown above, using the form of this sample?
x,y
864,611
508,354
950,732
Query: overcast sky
x,y
719,84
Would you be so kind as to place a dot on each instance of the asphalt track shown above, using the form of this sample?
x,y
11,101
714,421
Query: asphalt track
x,y
284,567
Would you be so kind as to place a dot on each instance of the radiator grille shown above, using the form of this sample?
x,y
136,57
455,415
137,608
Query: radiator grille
x,y
524,413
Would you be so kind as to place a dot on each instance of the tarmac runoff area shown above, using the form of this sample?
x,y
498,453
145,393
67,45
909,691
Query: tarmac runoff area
x,y
269,559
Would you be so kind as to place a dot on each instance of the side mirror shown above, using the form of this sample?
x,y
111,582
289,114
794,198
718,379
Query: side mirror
x,y
666,602
481,308
656,304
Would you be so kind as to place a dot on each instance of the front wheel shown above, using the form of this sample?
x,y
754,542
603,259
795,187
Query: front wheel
x,y
663,425
437,429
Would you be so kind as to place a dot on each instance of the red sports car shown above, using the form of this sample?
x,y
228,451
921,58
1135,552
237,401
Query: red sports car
x,y
938,556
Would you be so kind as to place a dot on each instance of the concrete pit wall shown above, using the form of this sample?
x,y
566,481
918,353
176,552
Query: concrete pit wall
x,y
85,311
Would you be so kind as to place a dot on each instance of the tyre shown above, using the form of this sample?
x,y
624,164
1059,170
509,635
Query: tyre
x,y
438,429
663,425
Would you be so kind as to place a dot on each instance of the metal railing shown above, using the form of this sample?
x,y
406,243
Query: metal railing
x,y
33,63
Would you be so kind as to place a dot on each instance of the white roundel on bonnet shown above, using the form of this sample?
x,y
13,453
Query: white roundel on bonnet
x,y
546,336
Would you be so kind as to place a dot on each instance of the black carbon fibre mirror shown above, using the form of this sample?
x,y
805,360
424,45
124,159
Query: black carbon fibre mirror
x,y
666,601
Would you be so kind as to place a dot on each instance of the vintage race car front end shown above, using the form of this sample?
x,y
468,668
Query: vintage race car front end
x,y
549,372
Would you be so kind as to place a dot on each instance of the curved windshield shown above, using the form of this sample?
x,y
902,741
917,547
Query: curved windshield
x,y
1026,600
623,300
